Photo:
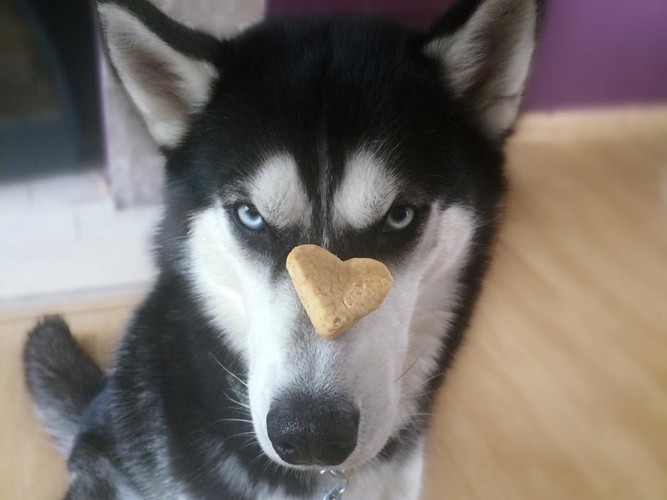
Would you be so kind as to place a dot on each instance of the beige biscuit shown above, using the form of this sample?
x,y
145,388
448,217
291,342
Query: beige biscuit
x,y
336,294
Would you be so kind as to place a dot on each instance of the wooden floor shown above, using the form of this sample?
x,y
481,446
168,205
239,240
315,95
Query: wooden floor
x,y
560,391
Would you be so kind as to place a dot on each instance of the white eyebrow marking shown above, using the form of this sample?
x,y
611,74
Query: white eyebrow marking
x,y
278,193
366,193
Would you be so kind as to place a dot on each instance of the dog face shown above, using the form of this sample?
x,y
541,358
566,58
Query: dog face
x,y
359,135
234,265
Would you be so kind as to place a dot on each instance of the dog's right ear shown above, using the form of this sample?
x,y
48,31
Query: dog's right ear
x,y
165,67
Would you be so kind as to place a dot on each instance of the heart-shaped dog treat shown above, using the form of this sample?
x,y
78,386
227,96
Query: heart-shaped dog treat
x,y
336,294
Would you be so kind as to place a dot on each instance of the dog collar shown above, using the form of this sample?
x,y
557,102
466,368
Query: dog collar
x,y
334,483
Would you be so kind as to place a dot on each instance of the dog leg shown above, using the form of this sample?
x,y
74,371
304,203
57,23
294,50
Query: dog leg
x,y
98,480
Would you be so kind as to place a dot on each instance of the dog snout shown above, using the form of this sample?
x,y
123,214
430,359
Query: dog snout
x,y
307,431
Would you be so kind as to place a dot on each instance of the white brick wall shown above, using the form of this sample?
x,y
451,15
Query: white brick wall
x,y
63,235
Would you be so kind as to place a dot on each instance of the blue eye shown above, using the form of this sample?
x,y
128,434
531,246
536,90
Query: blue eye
x,y
249,216
399,218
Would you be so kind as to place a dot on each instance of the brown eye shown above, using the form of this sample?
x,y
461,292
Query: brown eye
x,y
398,218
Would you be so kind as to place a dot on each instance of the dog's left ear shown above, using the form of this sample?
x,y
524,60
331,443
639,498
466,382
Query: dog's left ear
x,y
485,48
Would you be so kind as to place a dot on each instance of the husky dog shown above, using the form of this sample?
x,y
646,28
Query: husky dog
x,y
357,134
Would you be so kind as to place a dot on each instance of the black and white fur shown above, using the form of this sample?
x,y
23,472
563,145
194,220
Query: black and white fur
x,y
323,125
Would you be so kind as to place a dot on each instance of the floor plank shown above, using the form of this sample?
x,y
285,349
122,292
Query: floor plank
x,y
561,388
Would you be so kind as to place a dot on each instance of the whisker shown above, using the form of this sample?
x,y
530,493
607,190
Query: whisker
x,y
242,405
410,367
228,371
261,454
413,397
247,444
233,420
248,433
269,466
421,386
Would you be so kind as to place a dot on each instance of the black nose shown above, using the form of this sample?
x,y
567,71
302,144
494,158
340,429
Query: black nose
x,y
306,430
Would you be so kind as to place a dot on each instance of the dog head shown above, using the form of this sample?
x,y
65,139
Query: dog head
x,y
359,135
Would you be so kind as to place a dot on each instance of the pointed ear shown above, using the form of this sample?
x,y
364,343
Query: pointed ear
x,y
485,48
165,67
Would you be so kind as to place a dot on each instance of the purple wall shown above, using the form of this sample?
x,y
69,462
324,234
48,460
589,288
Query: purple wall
x,y
591,53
